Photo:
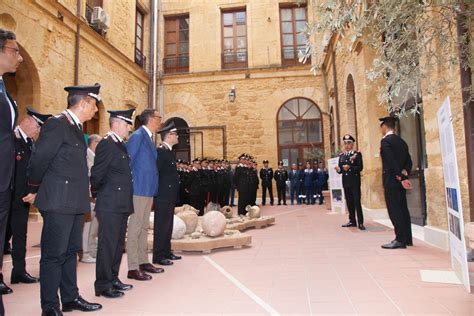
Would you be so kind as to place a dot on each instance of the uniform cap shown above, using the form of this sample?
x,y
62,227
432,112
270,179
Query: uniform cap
x,y
348,138
387,119
167,129
40,118
125,115
92,91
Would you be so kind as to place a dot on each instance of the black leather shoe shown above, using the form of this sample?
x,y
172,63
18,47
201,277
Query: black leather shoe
x,y
4,289
172,256
82,305
109,293
410,243
118,285
23,278
350,224
394,245
55,311
361,227
165,262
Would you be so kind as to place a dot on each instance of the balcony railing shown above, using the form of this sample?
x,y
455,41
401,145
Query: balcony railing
x,y
289,57
176,64
234,60
140,59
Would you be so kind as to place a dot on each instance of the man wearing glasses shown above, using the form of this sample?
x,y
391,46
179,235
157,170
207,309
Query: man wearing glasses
x,y
142,152
10,59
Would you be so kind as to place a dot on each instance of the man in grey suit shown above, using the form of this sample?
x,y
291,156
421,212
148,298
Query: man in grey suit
x,y
91,225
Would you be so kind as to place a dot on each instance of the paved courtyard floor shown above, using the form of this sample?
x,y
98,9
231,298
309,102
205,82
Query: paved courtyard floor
x,y
305,264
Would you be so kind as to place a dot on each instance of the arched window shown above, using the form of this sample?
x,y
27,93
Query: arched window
x,y
300,132
351,108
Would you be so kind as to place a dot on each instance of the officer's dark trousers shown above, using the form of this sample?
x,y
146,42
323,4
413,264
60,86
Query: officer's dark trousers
x,y
61,240
232,196
5,200
225,196
265,188
19,226
294,191
243,201
397,207
112,230
352,195
197,201
163,229
309,194
281,189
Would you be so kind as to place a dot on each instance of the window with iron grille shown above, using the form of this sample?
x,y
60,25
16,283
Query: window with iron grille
x,y
139,57
176,44
292,21
234,39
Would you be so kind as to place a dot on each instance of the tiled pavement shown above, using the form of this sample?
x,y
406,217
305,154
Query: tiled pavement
x,y
304,264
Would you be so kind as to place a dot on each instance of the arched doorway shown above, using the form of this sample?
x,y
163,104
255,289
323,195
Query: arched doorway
x,y
351,116
300,132
24,85
183,148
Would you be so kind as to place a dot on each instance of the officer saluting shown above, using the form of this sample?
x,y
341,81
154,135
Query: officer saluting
x,y
350,165
59,187
111,183
25,133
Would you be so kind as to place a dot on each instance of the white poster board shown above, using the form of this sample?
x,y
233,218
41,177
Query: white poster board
x,y
453,194
335,187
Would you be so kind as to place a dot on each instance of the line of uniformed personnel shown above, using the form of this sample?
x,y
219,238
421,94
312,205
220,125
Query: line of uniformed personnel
x,y
211,183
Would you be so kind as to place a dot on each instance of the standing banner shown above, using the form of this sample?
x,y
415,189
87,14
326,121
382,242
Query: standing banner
x,y
453,194
335,187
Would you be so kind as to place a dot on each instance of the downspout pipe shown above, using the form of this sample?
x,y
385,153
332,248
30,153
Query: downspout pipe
x,y
78,42
153,53
336,97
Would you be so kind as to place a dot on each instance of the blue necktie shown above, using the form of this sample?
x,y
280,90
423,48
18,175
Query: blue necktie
x,y
2,88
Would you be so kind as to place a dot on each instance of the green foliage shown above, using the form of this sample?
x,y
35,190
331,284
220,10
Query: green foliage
x,y
410,37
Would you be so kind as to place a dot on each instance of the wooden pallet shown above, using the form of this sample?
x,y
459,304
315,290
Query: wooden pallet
x,y
206,244
251,223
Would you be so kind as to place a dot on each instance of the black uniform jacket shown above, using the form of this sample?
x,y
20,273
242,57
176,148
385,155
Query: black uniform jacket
x,y
22,156
7,146
57,170
281,175
351,177
267,176
168,187
111,177
395,158
193,183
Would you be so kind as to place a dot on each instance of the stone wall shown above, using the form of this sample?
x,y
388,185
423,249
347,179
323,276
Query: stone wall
x,y
48,45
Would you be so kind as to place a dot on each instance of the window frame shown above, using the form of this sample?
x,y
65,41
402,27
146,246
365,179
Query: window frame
x,y
235,64
178,57
295,60
142,62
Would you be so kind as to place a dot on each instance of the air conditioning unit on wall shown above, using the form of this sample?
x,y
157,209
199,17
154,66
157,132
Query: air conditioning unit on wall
x,y
100,19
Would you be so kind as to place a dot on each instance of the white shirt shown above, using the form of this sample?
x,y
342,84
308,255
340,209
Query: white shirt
x,y
23,134
148,131
12,109
388,133
116,135
75,118
167,145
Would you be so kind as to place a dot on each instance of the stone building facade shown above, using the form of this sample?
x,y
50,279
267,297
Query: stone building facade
x,y
47,35
207,63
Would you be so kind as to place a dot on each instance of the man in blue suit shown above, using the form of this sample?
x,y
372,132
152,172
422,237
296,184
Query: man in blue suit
x,y
142,152
10,59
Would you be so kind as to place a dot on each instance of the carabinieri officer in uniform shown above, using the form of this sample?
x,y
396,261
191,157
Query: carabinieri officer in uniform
x,y
165,202
350,166
111,183
59,187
